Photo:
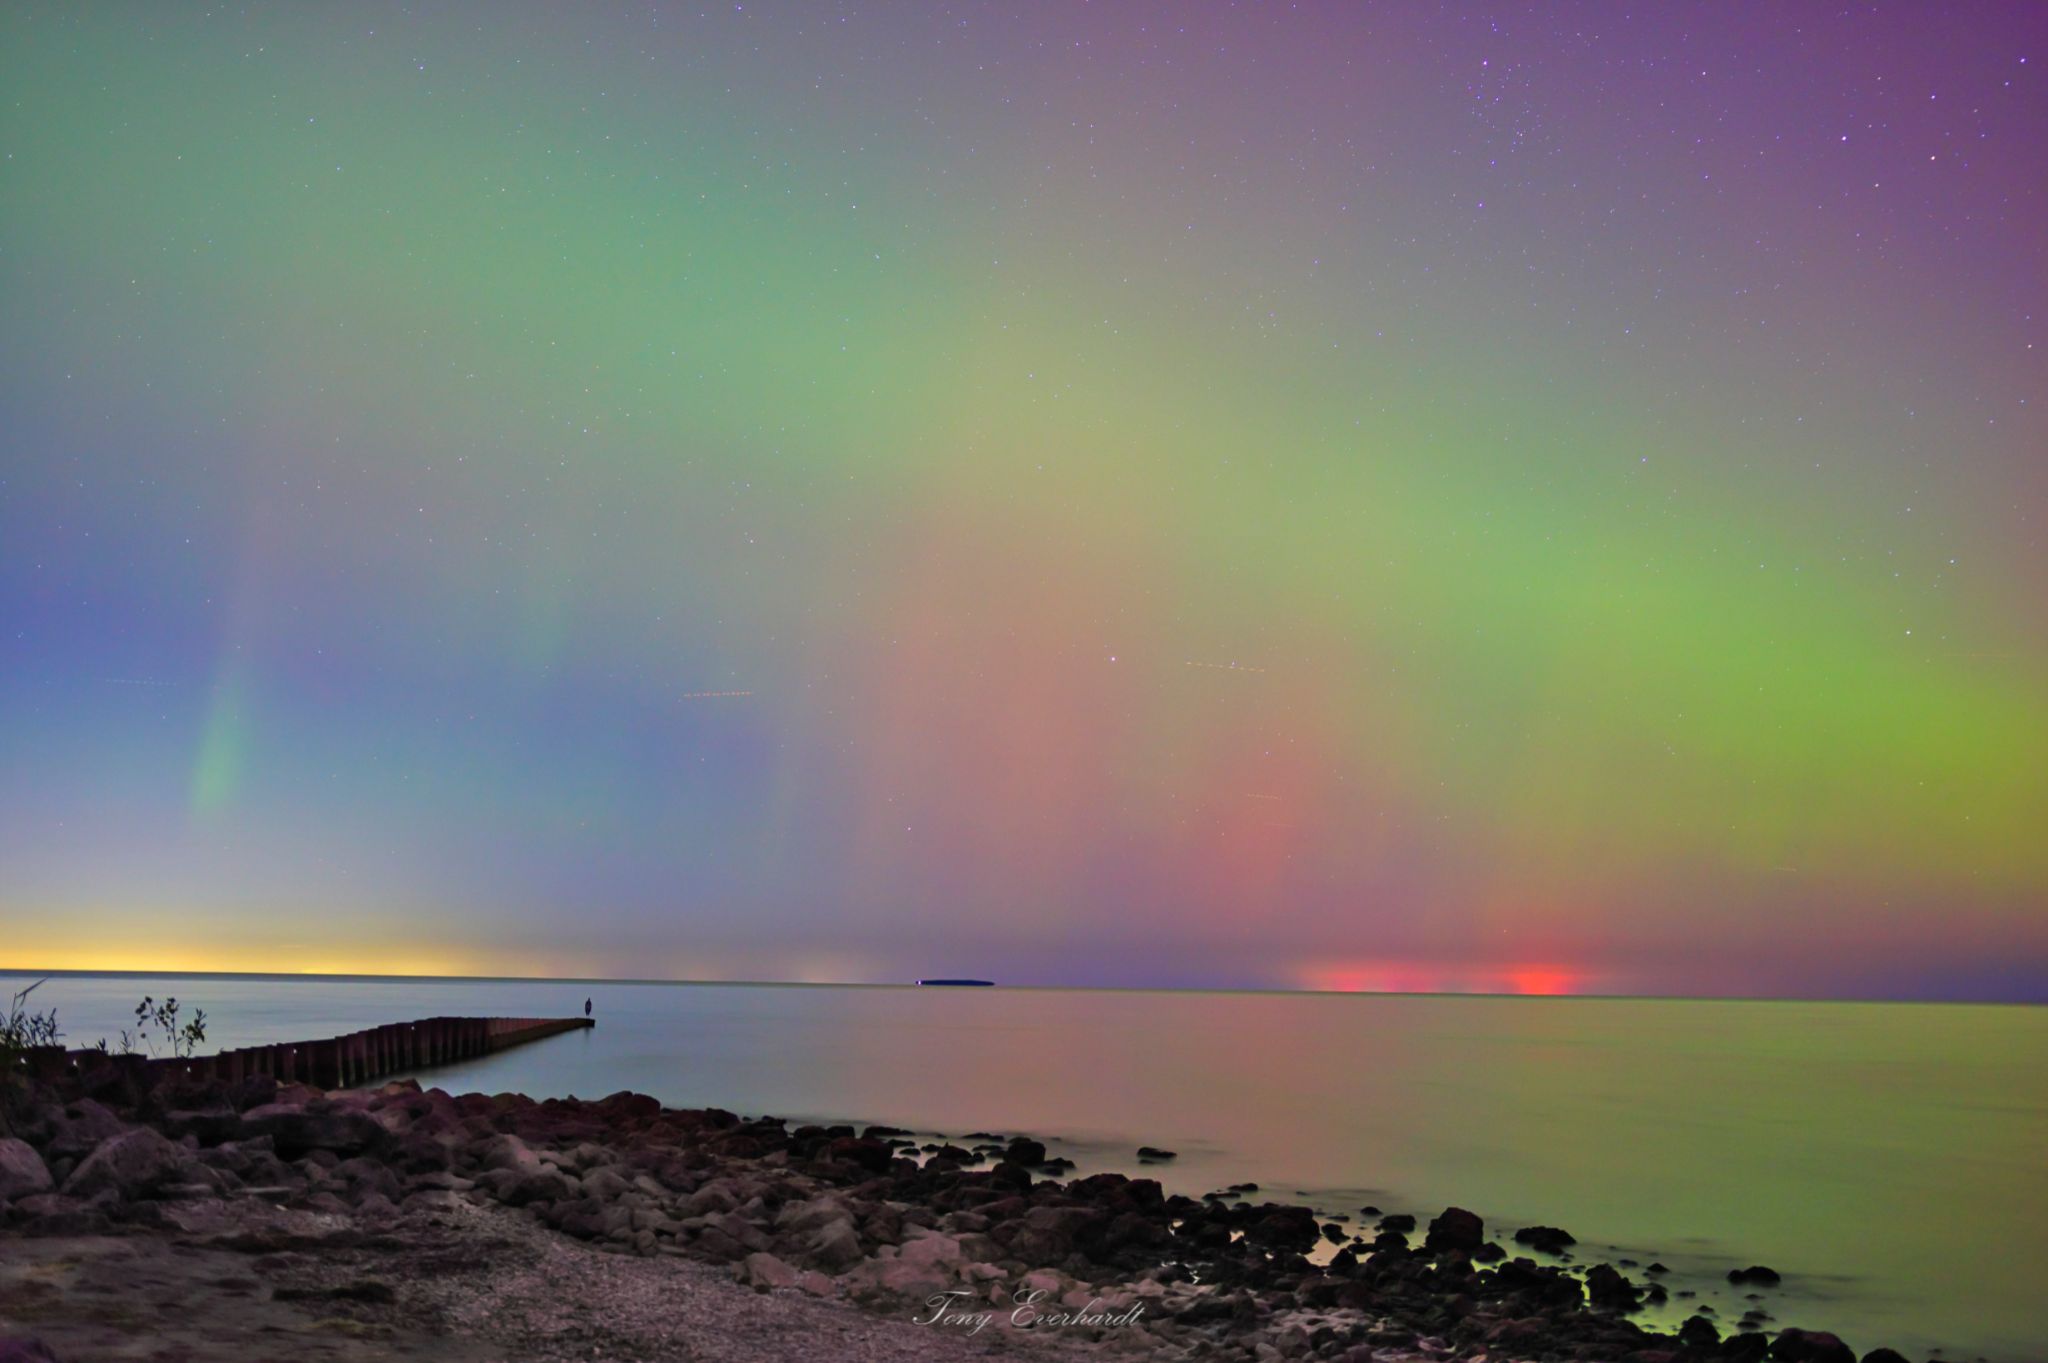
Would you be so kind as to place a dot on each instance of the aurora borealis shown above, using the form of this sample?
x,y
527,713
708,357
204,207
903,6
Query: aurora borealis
x,y
1516,497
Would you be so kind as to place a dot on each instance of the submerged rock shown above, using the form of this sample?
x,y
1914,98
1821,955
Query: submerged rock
x,y
1548,1239
1794,1345
1755,1274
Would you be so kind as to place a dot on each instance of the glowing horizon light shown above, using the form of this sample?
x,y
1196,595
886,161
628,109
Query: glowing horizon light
x,y
1395,976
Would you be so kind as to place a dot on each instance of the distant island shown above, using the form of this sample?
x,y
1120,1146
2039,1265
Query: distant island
x,y
984,984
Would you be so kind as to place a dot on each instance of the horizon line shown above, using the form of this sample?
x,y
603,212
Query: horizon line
x,y
14,971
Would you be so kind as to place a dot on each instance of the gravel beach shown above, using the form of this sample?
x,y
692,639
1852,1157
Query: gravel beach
x,y
254,1221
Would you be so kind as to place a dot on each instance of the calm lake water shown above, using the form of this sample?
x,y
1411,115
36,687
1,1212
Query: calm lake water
x,y
1891,1160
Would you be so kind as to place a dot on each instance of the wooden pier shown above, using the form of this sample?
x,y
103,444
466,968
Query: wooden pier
x,y
337,1062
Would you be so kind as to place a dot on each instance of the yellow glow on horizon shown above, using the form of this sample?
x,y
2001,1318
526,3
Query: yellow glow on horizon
x,y
51,951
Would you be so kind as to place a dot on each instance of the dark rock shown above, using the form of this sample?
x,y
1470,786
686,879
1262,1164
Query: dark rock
x,y
584,1219
209,1126
22,1171
1153,1152
1744,1348
1755,1273
1608,1289
1399,1221
1026,1152
24,1349
1488,1253
1525,1279
1810,1346
1884,1356
519,1189
1456,1229
626,1107
835,1245
1046,1236
873,1156
1284,1228
79,1129
1548,1239
299,1131
1134,1239
254,1091
133,1164
1698,1333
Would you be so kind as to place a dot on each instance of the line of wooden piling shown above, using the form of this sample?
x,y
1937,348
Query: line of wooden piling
x,y
336,1062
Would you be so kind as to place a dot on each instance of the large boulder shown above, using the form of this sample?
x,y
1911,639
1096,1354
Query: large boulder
x,y
22,1171
300,1129
1024,1151
1608,1289
834,1245
605,1183
520,1187
714,1197
1456,1228
507,1152
1284,1228
80,1128
1700,1334
133,1165
933,1249
873,1156
1046,1235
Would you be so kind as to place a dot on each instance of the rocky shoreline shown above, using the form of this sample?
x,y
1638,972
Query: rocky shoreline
x,y
397,1223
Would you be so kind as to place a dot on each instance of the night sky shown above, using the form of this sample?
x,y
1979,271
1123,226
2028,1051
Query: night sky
x,y
1531,497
